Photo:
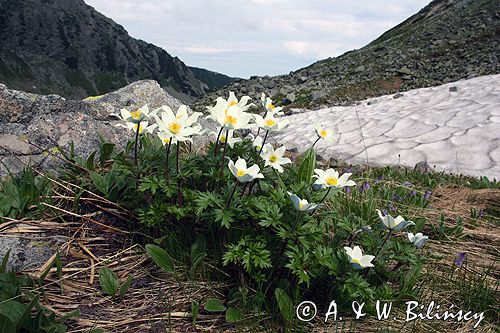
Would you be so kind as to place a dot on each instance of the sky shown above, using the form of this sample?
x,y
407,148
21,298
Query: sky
x,y
241,38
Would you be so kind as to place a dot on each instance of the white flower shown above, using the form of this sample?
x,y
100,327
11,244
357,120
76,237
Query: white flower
x,y
274,158
166,138
357,259
330,178
242,173
302,204
418,240
257,143
231,113
392,223
179,126
231,140
143,126
136,116
267,103
270,123
323,133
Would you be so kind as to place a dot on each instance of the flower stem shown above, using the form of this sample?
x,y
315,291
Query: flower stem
x,y
136,142
223,152
326,194
217,141
385,241
263,143
279,178
258,130
233,190
315,142
167,155
179,192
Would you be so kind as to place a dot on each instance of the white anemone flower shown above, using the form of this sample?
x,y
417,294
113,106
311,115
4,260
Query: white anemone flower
x,y
231,113
242,173
136,116
179,126
301,204
270,123
324,133
231,140
357,259
166,138
143,127
418,240
274,158
330,178
395,224
267,103
257,143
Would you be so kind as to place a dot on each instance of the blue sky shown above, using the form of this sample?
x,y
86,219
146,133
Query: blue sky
x,y
257,37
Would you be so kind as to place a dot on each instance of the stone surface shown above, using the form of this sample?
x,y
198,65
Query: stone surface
x,y
50,121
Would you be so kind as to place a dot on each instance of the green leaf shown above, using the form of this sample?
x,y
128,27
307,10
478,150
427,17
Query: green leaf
x,y
284,304
6,325
108,281
214,305
195,309
161,258
125,286
13,310
233,315
307,165
3,267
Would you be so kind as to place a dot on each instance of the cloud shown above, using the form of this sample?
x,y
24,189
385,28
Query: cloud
x,y
204,49
257,37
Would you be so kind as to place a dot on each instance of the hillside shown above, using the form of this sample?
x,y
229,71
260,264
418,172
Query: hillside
x,y
446,41
65,47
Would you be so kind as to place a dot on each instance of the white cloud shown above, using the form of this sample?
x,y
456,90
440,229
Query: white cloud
x,y
257,37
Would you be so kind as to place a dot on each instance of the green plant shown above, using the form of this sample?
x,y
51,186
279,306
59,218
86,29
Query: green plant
x,y
23,195
111,285
20,309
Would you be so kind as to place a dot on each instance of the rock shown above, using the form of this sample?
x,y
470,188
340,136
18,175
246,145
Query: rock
x,y
289,99
398,95
405,71
422,166
47,122
360,69
453,89
371,102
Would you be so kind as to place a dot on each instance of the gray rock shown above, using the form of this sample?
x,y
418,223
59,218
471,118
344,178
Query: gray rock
x,y
422,166
398,95
453,89
371,102
51,121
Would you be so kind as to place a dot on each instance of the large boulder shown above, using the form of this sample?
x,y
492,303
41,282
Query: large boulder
x,y
31,125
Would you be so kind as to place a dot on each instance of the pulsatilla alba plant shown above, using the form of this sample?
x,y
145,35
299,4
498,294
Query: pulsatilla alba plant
x,y
273,222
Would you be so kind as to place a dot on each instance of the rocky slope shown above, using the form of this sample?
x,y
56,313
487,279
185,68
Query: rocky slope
x,y
446,41
68,48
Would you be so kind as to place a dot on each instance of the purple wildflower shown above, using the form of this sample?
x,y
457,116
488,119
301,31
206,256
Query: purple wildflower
x,y
347,189
384,212
407,184
379,178
480,214
396,197
427,195
461,257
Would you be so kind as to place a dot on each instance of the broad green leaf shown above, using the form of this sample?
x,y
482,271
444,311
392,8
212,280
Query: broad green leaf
x,y
6,325
284,304
161,258
108,281
233,315
307,165
125,286
214,305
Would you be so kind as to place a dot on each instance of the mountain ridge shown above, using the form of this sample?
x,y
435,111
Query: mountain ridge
x,y
446,41
68,48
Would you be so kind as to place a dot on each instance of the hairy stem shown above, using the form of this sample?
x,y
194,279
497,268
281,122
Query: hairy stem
x,y
136,142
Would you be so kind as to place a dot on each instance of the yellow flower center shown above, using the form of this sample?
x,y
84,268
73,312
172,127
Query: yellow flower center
x,y
241,172
273,158
270,122
233,103
323,133
332,181
222,138
355,261
230,120
141,128
136,114
167,140
301,204
258,147
174,127
271,107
